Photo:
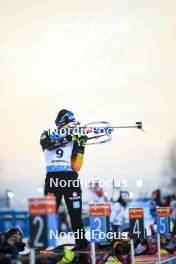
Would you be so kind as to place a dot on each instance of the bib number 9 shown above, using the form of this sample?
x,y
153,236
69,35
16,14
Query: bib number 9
x,y
59,153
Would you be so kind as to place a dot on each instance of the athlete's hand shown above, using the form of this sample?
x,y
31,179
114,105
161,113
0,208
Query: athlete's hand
x,y
83,141
79,138
76,136
64,140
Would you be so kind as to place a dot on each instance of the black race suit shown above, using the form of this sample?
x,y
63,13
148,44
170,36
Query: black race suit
x,y
62,181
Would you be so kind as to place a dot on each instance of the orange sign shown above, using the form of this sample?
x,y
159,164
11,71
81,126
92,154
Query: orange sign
x,y
163,211
99,209
42,206
136,212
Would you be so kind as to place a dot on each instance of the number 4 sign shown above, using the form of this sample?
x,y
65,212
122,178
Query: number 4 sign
x,y
136,221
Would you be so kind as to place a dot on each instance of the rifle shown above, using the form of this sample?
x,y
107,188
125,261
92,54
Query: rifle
x,y
98,132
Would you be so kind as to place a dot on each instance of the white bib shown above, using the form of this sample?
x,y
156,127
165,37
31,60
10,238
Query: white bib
x,y
59,159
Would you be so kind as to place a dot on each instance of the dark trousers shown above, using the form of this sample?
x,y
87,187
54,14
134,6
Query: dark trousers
x,y
115,228
67,185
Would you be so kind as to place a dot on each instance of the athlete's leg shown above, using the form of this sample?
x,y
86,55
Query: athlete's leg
x,y
73,199
49,189
58,201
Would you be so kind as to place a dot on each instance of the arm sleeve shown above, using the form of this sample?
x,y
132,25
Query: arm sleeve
x,y
77,156
46,142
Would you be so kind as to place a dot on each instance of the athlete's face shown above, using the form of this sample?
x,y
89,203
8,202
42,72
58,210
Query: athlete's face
x,y
126,200
13,239
71,124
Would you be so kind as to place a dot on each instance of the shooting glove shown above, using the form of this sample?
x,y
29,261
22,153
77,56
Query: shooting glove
x,y
67,258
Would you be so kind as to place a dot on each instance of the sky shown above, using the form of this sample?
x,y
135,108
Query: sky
x,y
104,60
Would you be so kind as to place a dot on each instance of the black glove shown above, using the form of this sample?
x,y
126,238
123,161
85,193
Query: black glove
x,y
82,143
20,245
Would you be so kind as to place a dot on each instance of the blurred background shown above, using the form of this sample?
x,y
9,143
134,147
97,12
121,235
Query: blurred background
x,y
104,60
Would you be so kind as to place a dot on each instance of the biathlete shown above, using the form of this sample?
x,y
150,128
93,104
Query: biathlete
x,y
11,245
64,158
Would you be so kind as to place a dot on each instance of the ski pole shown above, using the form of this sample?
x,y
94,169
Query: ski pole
x,y
32,256
132,251
159,248
93,255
